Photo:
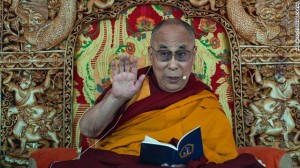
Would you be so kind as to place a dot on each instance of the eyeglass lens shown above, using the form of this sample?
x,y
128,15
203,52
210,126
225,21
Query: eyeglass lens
x,y
166,55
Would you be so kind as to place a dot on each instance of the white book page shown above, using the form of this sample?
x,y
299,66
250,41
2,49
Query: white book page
x,y
150,140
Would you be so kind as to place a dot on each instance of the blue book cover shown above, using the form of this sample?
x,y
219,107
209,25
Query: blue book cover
x,y
188,148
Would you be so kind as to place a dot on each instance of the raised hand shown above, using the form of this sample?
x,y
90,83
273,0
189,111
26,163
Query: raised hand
x,y
125,83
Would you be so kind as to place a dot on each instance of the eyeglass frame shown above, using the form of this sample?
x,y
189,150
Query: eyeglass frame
x,y
173,54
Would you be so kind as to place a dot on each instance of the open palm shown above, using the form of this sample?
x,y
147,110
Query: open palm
x,y
125,84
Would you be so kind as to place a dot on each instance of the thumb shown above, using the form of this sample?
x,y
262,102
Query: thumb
x,y
140,81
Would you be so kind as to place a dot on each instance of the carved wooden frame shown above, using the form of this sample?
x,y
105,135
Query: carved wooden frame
x,y
189,12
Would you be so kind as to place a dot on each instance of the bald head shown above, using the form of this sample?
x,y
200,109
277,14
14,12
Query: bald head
x,y
173,21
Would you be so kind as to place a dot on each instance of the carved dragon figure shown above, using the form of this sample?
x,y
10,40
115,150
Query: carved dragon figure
x,y
198,3
248,28
39,32
101,4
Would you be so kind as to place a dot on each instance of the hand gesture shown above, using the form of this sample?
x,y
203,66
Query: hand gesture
x,y
125,84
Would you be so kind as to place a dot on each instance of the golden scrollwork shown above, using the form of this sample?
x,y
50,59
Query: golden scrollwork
x,y
266,54
32,60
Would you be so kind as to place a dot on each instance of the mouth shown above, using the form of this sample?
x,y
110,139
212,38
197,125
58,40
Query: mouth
x,y
173,79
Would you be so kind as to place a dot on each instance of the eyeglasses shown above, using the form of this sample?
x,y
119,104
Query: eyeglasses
x,y
166,55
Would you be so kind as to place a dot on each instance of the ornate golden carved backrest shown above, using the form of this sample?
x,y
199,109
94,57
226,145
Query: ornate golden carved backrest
x,y
78,66
91,46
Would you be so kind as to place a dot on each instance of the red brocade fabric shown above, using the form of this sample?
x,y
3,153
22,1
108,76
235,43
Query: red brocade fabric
x,y
95,158
44,157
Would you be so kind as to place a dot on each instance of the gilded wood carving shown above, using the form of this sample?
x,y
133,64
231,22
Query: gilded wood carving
x,y
37,25
270,101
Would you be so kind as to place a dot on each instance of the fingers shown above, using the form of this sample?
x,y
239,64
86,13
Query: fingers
x,y
121,64
125,65
114,68
135,65
140,81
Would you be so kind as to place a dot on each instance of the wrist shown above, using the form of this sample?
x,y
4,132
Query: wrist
x,y
116,99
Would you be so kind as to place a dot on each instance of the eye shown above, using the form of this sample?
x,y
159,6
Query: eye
x,y
182,55
164,55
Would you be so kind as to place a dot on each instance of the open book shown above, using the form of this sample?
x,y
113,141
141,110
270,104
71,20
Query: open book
x,y
188,148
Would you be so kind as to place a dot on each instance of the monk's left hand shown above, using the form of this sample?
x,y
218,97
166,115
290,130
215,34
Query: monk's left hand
x,y
125,83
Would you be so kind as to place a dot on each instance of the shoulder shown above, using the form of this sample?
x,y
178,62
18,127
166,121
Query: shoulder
x,y
208,99
205,99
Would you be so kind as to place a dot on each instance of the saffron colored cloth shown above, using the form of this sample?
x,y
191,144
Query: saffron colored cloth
x,y
174,121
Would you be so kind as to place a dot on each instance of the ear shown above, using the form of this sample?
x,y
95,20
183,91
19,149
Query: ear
x,y
195,49
195,54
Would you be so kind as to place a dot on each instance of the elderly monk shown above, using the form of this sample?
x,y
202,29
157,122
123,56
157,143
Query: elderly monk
x,y
163,101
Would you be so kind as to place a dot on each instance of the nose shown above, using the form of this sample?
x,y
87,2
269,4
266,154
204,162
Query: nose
x,y
173,63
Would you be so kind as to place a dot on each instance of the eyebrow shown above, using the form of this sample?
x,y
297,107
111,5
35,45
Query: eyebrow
x,y
182,46
162,46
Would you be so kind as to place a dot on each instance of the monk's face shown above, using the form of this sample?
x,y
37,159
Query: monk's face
x,y
170,74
